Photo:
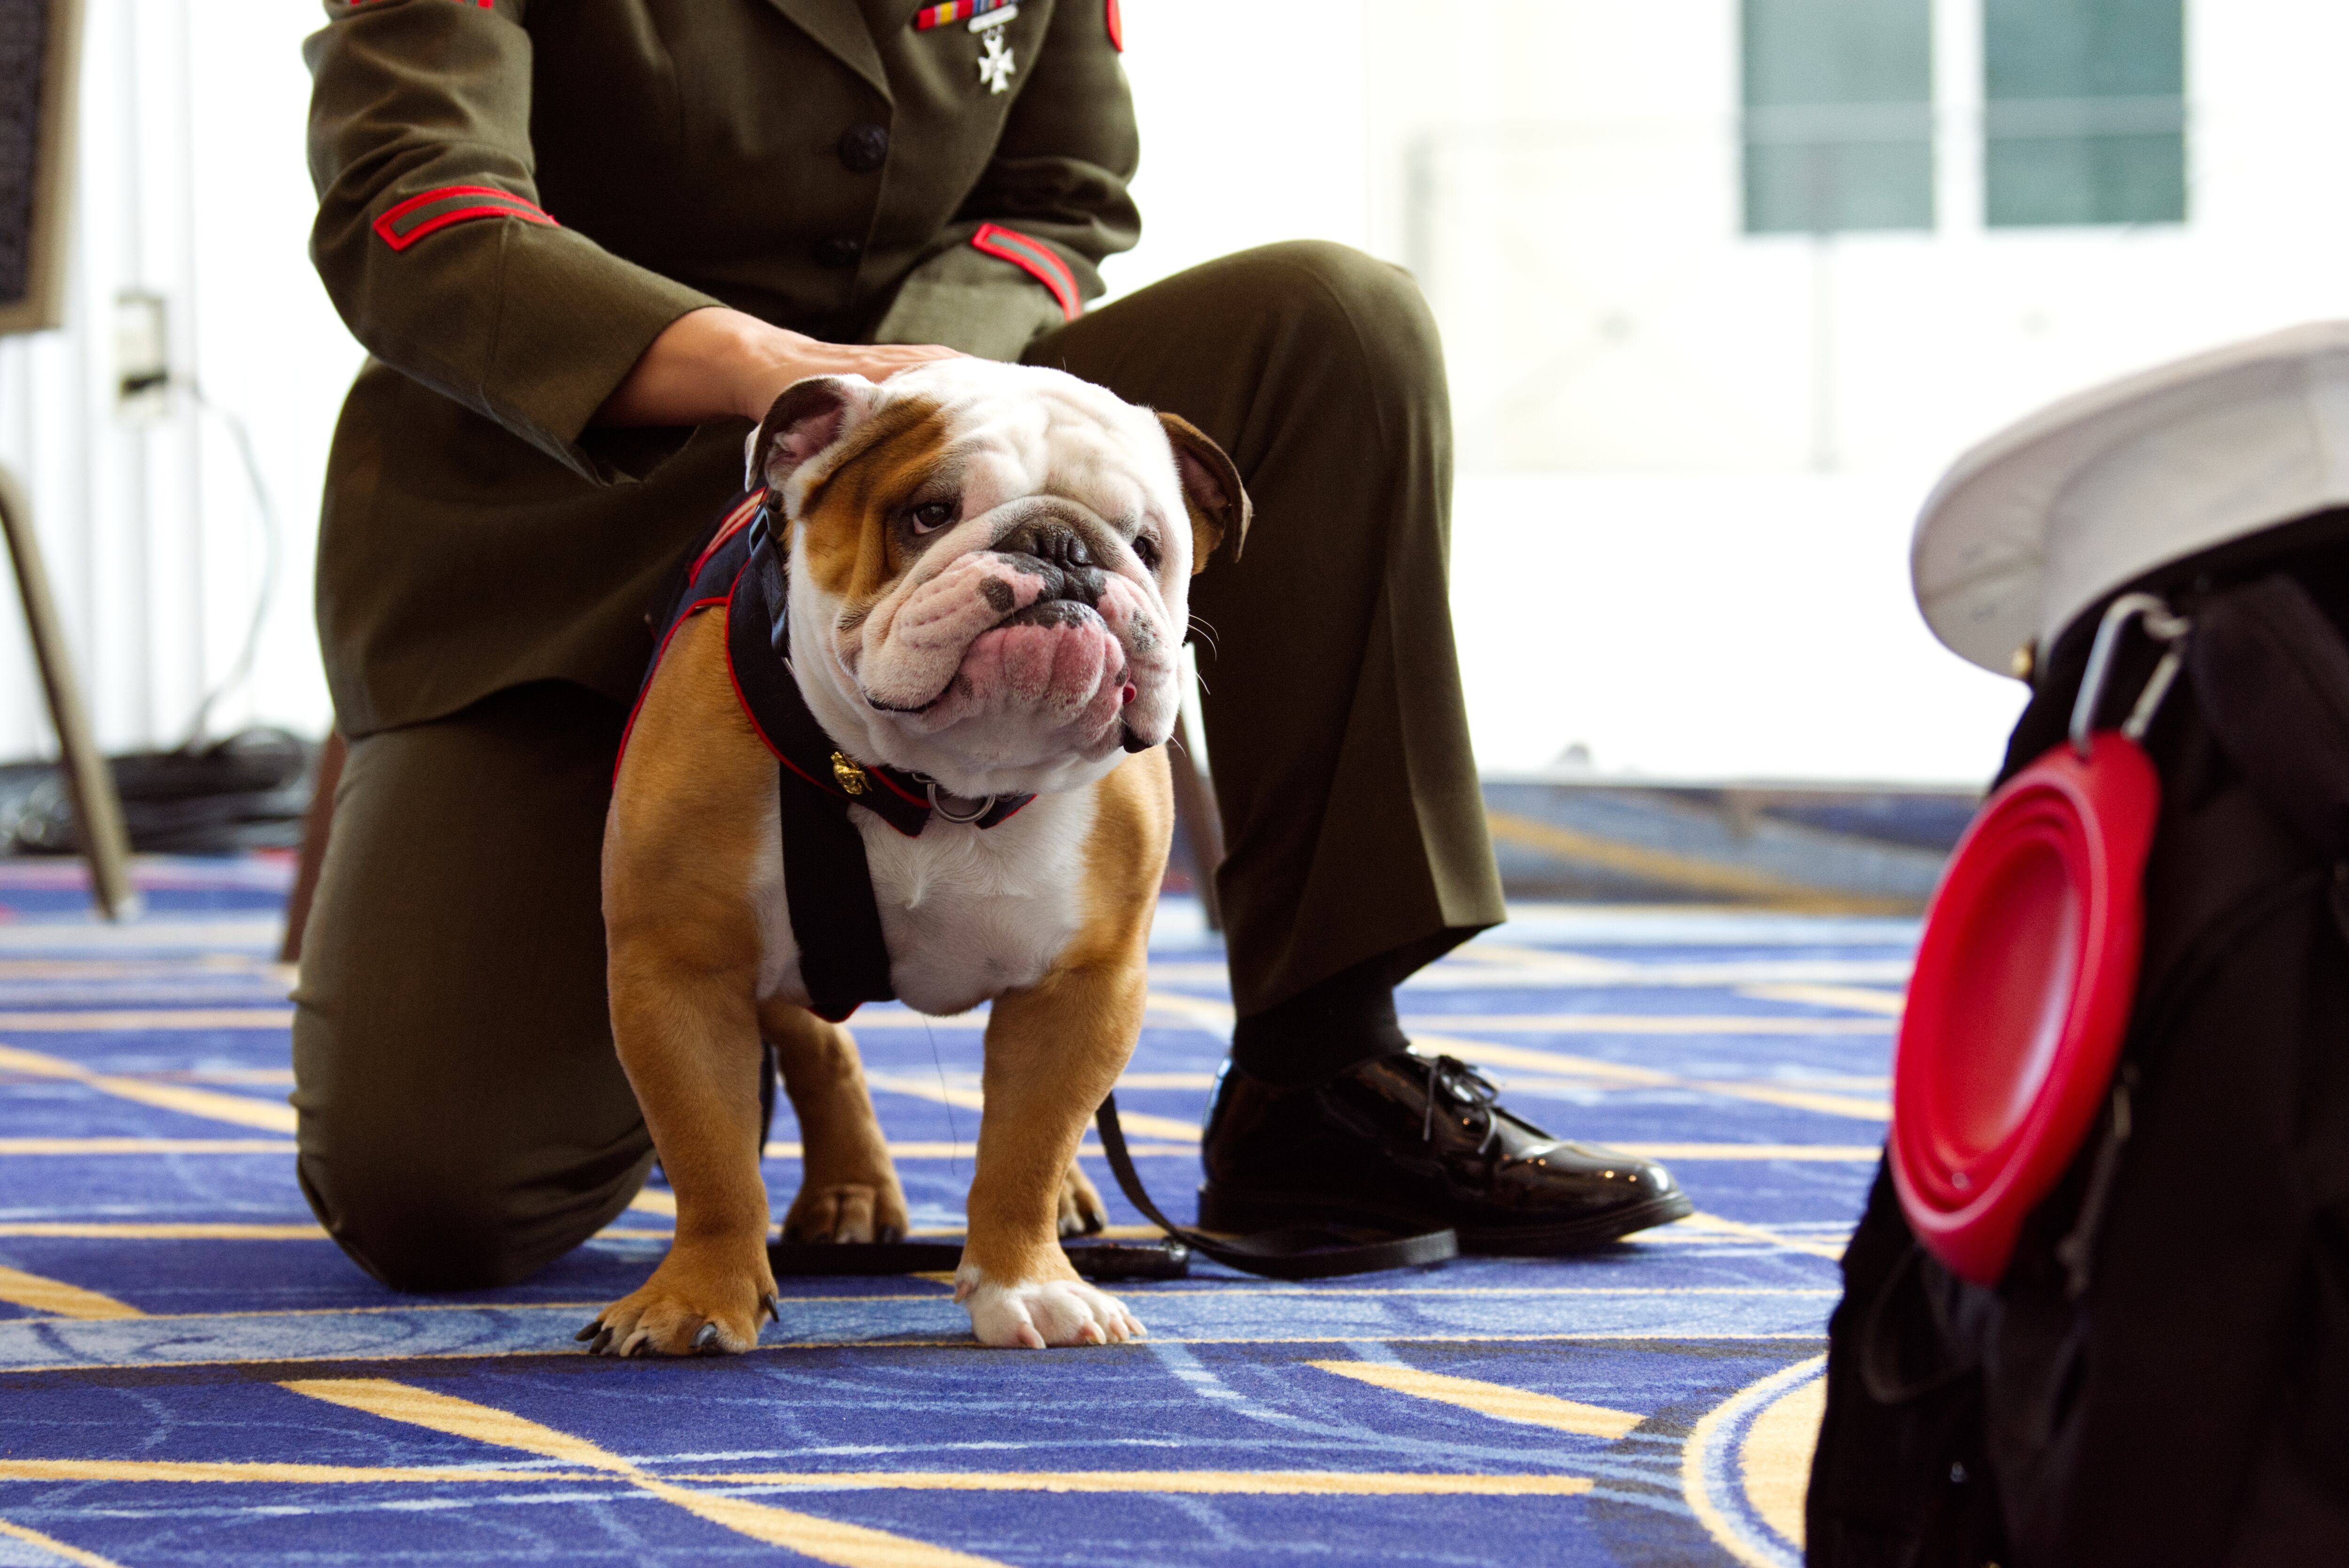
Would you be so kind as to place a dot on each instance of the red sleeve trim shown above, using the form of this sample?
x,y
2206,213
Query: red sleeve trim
x,y
1035,258
409,222
1116,27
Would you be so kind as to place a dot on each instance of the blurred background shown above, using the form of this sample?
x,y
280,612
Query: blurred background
x,y
1724,284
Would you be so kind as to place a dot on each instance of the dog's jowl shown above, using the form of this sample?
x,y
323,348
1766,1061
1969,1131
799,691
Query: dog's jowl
x,y
967,585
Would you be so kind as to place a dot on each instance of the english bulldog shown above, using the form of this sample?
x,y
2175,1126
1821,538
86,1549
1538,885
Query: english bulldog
x,y
988,573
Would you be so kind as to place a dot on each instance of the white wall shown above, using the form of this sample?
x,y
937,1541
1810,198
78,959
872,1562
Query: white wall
x,y
1732,434
1665,551
1253,115
191,185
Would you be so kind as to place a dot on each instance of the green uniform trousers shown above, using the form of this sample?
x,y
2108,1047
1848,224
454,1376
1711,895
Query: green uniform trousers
x,y
463,1115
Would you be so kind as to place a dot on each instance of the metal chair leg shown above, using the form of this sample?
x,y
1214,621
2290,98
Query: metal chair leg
x,y
98,810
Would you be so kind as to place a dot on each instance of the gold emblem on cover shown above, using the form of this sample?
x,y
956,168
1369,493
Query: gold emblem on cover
x,y
850,777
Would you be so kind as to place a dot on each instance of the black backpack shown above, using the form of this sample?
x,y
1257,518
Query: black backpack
x,y
2162,1376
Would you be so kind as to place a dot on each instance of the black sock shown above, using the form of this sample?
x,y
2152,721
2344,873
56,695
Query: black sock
x,y
1321,1031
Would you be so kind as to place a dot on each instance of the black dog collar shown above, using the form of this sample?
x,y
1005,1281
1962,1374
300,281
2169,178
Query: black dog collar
x,y
757,643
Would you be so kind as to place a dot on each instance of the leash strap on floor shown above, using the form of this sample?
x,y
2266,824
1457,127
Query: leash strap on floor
x,y
1292,1251
1103,1261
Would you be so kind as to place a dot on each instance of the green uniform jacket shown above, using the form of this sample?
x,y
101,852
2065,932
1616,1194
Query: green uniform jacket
x,y
515,197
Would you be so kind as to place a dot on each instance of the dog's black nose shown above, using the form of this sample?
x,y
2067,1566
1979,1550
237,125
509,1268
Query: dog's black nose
x,y
1051,542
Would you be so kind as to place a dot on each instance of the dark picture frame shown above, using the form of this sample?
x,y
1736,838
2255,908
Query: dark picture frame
x,y
40,46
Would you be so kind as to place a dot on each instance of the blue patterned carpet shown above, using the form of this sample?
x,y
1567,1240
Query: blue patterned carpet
x,y
190,1373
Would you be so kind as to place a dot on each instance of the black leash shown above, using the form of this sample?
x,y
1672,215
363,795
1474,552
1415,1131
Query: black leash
x,y
1292,1251
1104,1260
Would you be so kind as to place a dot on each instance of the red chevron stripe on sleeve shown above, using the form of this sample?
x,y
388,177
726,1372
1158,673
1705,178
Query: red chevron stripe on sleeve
x,y
1035,258
419,215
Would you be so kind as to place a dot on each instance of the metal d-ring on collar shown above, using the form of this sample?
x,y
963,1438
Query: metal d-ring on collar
x,y
938,802
2162,626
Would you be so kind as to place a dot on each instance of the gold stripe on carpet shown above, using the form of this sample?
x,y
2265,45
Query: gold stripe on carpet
x,y
1700,1224
1497,1400
159,1231
1257,1483
1697,1153
1644,1024
1485,1053
73,1554
1687,871
56,1298
144,1146
192,1471
57,1022
1166,1127
1851,998
208,1103
825,1539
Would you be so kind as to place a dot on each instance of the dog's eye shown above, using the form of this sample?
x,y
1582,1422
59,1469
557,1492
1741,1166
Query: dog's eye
x,y
932,515
1146,547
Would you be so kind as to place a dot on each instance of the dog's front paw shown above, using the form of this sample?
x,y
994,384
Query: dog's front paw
x,y
847,1211
1034,1313
695,1305
1082,1212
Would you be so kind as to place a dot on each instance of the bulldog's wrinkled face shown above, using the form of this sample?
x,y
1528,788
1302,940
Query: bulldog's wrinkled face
x,y
990,566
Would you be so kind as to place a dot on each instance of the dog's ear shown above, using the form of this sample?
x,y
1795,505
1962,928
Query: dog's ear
x,y
1219,506
807,417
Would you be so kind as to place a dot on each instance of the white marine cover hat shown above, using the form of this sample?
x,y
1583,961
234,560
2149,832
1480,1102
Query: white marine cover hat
x,y
2041,520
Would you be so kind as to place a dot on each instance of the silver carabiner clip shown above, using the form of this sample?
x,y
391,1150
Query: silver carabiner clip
x,y
2162,628
939,806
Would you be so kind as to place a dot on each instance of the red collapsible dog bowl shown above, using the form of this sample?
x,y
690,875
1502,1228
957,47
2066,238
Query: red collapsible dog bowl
x,y
2024,980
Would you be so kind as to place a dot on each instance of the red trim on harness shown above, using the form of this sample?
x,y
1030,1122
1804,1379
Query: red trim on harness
x,y
759,730
1116,27
734,523
505,205
696,608
1035,259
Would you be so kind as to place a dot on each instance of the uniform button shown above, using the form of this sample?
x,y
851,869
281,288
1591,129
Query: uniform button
x,y
841,252
865,148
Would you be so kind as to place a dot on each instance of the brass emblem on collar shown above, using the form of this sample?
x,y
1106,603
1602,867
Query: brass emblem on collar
x,y
849,776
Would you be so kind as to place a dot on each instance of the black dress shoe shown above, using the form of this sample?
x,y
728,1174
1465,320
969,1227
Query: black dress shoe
x,y
1413,1142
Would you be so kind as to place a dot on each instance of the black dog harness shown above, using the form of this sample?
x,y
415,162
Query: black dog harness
x,y
827,883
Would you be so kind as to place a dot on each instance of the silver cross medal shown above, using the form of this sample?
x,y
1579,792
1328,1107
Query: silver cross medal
x,y
996,66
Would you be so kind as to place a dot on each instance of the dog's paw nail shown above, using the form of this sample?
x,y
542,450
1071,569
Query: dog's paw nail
x,y
636,1345
1028,1338
774,1307
707,1340
603,1342
890,1234
588,1333
1090,1334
